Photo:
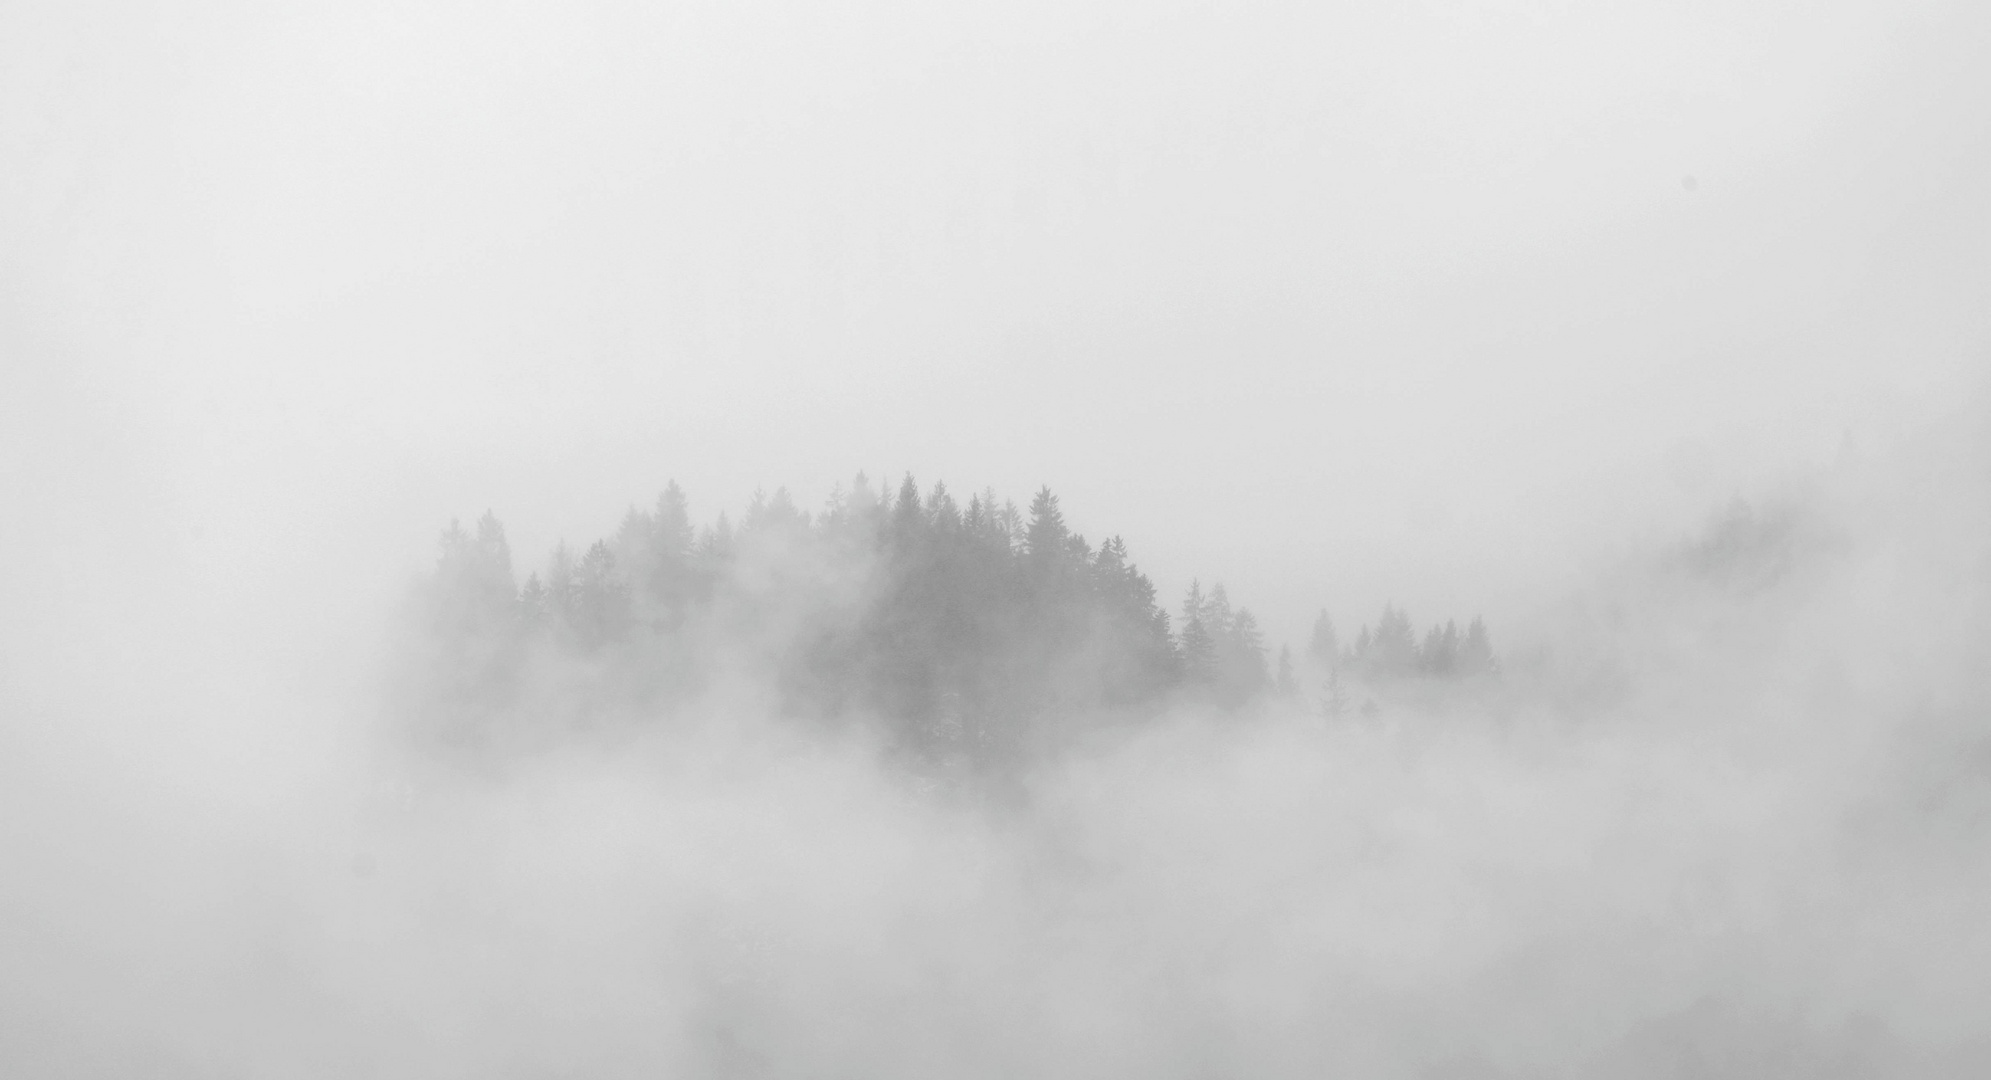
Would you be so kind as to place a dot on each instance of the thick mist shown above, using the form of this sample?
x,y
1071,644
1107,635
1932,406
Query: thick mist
x,y
1724,814
1654,336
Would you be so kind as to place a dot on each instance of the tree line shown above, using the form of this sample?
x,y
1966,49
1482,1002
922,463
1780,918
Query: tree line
x,y
979,628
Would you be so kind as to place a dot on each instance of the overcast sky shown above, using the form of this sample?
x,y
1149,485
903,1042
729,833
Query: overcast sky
x,y
1335,303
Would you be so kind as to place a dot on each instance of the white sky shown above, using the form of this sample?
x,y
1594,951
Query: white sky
x,y
1335,303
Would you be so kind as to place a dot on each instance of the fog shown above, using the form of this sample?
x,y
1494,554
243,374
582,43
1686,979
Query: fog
x,y
1470,308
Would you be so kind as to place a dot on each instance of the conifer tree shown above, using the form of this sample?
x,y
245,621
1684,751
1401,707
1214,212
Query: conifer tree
x,y
715,548
672,522
1216,612
473,585
863,503
1333,702
1199,652
1476,650
532,603
1244,656
1044,541
995,622
1011,520
1322,648
908,519
600,599
1199,647
940,508
560,583
1393,648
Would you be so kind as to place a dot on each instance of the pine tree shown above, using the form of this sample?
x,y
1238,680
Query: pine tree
x,y
715,548
532,603
472,592
1393,649
783,514
908,518
1244,656
1322,648
601,608
560,583
940,509
1199,647
1011,520
665,573
1199,652
1476,650
1334,703
1044,541
863,503
1216,612
995,620
773,514
672,523
494,555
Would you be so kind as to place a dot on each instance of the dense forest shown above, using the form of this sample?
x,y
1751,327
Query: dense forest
x,y
978,631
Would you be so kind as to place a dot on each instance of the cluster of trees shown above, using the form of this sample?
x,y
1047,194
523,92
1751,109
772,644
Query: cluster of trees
x,y
1393,651
978,628
1223,649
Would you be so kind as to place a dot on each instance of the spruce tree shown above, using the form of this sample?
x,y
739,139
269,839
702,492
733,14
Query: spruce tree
x,y
1044,541
1322,648
1476,650
671,523
1244,656
1199,647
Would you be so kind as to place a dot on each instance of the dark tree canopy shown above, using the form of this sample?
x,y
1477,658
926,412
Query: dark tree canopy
x,y
969,631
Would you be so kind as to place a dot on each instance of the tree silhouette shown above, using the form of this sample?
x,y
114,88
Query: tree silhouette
x,y
961,630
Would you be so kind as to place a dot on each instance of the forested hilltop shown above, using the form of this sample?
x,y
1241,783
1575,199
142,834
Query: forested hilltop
x,y
977,630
